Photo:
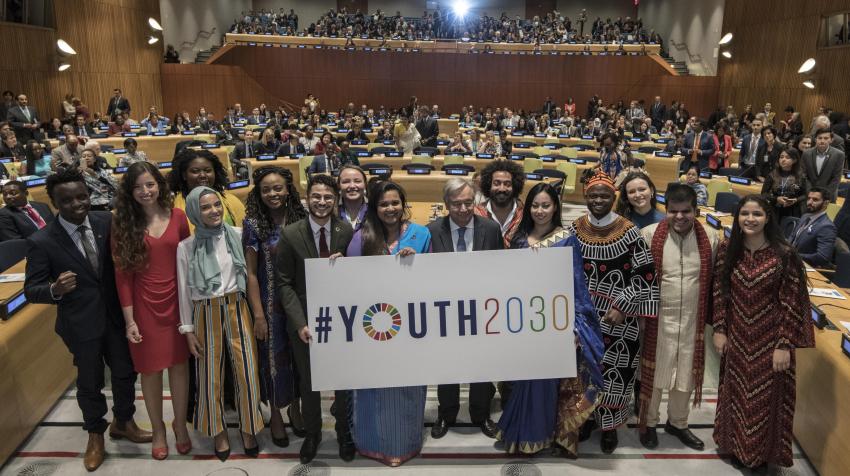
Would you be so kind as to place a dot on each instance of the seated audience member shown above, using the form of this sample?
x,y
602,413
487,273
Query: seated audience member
x,y
133,154
291,147
20,218
356,133
119,126
327,162
99,181
38,160
207,122
68,153
326,140
53,129
100,160
346,155
506,145
309,140
255,117
385,133
634,166
823,163
11,148
815,234
692,180
459,144
81,128
677,145
179,125
268,144
243,150
154,123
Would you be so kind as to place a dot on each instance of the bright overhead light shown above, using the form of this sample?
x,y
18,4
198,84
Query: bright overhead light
x,y
807,66
726,54
65,47
63,66
726,39
152,40
154,24
460,7
809,84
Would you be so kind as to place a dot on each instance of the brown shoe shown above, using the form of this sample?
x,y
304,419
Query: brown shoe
x,y
129,430
94,452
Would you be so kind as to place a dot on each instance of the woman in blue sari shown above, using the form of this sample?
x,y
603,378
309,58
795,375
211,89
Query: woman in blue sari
x,y
550,412
387,423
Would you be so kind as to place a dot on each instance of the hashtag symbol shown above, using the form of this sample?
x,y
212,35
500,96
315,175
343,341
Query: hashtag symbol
x,y
323,324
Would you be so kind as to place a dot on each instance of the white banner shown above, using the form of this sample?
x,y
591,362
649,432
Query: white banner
x,y
386,321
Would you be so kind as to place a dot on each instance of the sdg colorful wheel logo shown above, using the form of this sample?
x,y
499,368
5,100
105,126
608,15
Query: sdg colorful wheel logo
x,y
381,308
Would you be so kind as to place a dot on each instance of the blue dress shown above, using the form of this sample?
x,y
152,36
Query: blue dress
x,y
387,423
540,411
276,374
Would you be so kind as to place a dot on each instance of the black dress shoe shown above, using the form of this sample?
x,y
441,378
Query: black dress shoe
x,y
586,429
489,428
440,428
609,441
649,440
310,447
685,436
347,449
299,432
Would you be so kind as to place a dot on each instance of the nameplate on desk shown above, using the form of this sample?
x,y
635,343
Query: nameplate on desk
x,y
819,317
661,153
392,153
737,147
13,305
439,142
252,43
299,46
451,171
120,170
129,134
117,151
418,171
237,184
727,232
343,131
516,157
267,44
188,133
103,128
379,171
661,141
845,344
388,142
713,221
522,145
587,137
262,157
6,160
375,125
359,142
550,146
159,134
367,130
210,146
262,124
539,134
517,134
364,153
484,156
578,161
740,180
532,176
660,198
164,165
635,139
547,158
296,156
35,182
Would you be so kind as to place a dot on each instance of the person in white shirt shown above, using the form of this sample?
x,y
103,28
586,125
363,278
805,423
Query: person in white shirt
x,y
309,140
217,322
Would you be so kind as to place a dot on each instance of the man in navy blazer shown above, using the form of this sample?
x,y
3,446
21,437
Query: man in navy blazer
x,y
750,144
698,146
24,119
20,218
463,231
69,264
291,148
815,234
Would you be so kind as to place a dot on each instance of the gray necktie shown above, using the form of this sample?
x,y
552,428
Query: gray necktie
x,y
91,253
461,239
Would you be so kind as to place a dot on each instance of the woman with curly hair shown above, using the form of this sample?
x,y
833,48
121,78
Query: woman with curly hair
x,y
146,229
192,168
272,204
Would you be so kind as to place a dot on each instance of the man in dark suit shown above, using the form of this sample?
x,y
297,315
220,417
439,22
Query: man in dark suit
x,y
291,147
24,119
255,117
243,150
698,147
658,111
117,105
463,231
81,128
815,234
20,218
321,235
69,263
427,127
750,144
823,163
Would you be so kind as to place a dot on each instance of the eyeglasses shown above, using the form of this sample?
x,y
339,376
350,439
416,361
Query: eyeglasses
x,y
461,205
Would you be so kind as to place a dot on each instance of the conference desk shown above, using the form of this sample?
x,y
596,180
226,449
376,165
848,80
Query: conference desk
x,y
157,148
35,365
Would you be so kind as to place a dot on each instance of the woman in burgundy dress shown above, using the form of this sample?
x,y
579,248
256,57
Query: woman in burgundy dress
x,y
146,230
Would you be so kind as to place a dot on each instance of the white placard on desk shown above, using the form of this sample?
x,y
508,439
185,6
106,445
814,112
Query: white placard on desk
x,y
12,278
826,293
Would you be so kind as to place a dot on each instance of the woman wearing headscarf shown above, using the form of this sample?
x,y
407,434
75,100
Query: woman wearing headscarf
x,y
217,321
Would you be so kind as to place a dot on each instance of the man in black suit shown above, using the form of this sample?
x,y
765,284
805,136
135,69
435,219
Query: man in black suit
x,y
69,263
427,127
243,150
24,119
20,218
823,163
117,105
321,235
463,231
291,147
658,111
81,128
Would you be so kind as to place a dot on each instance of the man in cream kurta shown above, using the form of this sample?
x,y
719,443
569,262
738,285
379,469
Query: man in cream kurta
x,y
678,317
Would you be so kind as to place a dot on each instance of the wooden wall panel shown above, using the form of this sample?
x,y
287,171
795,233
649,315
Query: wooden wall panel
x,y
186,87
110,37
771,40
453,80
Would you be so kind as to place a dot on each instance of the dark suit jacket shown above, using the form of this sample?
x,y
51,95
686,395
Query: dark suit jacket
x,y
15,224
89,130
705,146
286,150
830,174
240,151
745,147
297,244
121,104
842,221
16,116
658,112
83,314
816,241
765,160
429,130
486,235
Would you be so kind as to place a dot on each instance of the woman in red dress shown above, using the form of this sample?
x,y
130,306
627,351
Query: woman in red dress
x,y
146,230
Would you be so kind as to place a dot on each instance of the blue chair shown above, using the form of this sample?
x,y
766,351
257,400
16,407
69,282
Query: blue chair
x,y
12,251
726,202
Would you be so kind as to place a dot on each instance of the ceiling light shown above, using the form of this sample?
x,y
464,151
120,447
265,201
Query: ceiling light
x,y
461,7
65,47
154,24
807,66
726,39
152,40
726,54
63,66
809,84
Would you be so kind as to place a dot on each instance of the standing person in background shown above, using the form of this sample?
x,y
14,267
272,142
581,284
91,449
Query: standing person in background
x,y
612,159
118,104
823,163
758,340
273,203
768,153
698,146
786,185
145,233
24,119
407,136
69,264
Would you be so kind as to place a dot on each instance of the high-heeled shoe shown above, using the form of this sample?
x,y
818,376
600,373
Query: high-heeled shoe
x,y
182,448
281,442
251,452
223,454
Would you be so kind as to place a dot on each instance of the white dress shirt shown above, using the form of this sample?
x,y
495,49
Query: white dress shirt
x,y
468,235
186,295
315,227
602,222
507,224
820,159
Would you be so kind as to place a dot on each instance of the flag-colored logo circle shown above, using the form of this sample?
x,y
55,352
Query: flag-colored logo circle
x,y
379,308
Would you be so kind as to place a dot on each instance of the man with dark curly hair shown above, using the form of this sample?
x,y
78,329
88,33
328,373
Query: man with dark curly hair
x,y
501,184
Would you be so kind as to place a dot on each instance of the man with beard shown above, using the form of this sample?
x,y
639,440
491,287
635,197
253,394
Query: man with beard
x,y
501,184
815,234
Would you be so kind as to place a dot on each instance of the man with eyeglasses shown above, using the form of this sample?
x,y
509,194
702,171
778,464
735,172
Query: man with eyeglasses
x,y
459,232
